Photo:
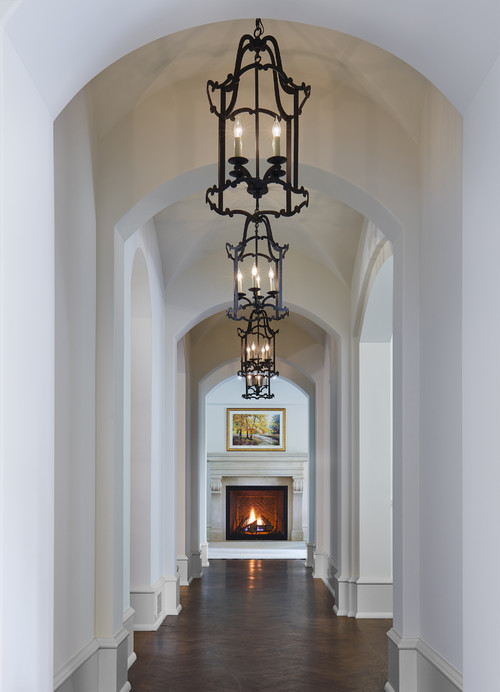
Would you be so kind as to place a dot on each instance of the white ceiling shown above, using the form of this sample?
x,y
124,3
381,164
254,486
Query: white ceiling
x,y
64,45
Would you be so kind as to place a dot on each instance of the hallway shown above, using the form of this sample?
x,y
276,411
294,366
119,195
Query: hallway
x,y
257,625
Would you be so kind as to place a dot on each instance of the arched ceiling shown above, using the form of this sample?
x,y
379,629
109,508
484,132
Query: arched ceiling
x,y
327,232
328,60
64,45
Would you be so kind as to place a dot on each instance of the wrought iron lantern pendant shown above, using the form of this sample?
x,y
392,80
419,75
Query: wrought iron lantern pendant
x,y
257,272
258,365
269,128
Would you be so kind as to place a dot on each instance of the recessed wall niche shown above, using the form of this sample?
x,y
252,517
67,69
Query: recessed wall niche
x,y
288,470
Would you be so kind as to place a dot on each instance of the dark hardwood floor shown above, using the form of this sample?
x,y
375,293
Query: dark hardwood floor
x,y
257,626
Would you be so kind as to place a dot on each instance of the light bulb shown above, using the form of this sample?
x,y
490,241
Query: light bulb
x,y
238,130
272,285
254,276
276,137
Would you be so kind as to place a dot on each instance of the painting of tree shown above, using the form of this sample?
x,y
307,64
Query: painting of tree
x,y
256,429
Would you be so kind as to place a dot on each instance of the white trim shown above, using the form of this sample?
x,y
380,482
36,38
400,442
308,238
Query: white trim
x,y
144,627
75,663
184,568
113,642
373,616
131,660
388,687
444,667
421,648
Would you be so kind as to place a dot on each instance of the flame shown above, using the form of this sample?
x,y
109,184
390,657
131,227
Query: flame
x,y
253,518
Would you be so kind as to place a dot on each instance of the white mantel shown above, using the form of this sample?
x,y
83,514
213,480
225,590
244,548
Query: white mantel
x,y
258,468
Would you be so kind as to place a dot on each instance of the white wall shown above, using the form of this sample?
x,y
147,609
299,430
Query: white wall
x,y
27,377
375,463
75,386
143,316
440,483
286,395
141,358
481,385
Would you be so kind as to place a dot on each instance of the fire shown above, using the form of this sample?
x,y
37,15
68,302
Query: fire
x,y
253,518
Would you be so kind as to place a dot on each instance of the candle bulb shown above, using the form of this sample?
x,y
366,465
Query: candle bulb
x,y
254,276
240,282
271,280
276,137
238,131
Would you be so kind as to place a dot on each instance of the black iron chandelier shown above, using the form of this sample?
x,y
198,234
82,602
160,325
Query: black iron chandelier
x,y
268,128
258,365
257,131
257,272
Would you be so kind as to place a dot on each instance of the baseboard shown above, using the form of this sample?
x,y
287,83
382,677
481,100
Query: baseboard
x,y
171,595
184,569
147,602
81,671
128,624
102,666
414,666
113,658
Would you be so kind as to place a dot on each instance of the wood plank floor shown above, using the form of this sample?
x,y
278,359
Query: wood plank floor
x,y
258,626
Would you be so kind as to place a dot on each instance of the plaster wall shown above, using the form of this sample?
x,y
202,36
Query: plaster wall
x,y
481,381
142,314
75,294
141,488
228,395
440,484
27,377
375,473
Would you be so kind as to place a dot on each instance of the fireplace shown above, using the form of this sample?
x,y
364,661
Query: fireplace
x,y
256,512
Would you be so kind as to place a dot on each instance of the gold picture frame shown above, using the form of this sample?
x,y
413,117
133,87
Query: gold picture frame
x,y
256,429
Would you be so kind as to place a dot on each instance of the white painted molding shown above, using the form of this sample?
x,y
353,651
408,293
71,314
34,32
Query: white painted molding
x,y
112,656
388,687
128,624
103,660
444,667
171,595
441,667
108,643
183,565
144,600
204,554
310,548
75,663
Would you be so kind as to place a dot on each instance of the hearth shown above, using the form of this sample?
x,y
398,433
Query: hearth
x,y
256,512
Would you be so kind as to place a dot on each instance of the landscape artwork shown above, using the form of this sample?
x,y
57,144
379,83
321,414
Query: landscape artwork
x,y
256,429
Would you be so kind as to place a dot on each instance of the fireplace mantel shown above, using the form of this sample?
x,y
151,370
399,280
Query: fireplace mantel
x,y
259,468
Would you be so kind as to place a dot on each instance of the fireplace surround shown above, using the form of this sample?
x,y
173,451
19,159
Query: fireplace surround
x,y
262,469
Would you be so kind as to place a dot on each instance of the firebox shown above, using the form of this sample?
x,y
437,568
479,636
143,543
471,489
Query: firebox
x,y
256,512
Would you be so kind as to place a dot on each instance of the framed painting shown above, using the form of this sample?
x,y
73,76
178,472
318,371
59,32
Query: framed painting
x,y
256,429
